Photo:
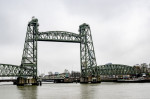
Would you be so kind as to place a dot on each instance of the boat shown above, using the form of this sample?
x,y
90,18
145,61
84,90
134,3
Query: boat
x,y
133,80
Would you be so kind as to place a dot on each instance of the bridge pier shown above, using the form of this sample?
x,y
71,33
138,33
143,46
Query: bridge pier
x,y
21,81
96,79
90,79
84,80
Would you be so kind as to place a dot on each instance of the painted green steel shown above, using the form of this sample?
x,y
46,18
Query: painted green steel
x,y
89,66
29,57
8,70
59,36
87,54
117,69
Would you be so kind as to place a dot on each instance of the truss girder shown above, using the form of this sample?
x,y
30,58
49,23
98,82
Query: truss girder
x,y
8,70
117,69
59,36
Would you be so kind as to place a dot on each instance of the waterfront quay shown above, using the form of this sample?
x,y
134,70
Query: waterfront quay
x,y
108,73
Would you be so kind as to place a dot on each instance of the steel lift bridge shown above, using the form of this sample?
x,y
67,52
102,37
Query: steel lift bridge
x,y
28,67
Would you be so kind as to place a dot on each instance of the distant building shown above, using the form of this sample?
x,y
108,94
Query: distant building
x,y
56,73
75,74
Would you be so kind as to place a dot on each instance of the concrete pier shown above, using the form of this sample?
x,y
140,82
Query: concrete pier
x,y
21,81
90,79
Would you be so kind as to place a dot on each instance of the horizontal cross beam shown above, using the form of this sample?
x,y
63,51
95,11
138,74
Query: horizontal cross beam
x,y
59,36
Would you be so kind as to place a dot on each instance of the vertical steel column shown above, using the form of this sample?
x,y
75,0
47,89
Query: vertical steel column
x,y
29,57
87,54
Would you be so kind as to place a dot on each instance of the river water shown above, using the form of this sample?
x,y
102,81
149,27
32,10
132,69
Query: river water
x,y
105,90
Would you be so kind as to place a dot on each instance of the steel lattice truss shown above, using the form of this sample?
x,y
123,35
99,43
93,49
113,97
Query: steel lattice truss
x,y
87,54
7,70
29,57
59,36
89,66
117,69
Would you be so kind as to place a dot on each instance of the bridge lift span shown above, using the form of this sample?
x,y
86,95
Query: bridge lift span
x,y
28,67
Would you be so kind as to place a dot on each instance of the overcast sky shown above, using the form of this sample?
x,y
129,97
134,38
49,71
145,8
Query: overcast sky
x,y
120,31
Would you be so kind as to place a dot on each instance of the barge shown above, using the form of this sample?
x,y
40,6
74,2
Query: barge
x,y
134,80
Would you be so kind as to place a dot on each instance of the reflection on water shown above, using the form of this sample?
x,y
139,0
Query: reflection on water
x,y
88,91
77,91
28,92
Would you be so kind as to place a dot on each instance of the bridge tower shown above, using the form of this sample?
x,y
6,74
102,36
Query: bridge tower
x,y
87,56
29,57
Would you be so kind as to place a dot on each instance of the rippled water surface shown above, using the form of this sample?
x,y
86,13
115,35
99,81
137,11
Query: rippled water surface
x,y
105,90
